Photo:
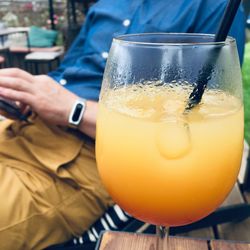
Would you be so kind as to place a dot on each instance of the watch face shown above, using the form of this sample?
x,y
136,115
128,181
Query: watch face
x,y
77,113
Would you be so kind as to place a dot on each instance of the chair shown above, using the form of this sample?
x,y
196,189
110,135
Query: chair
x,y
35,59
2,60
4,50
42,43
7,37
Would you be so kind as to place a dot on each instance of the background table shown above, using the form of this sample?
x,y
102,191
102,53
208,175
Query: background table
x,y
131,241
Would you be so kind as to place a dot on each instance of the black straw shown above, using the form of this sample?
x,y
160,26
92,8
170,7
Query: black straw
x,y
207,69
227,20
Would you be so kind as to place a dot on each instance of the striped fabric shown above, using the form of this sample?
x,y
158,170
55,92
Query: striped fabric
x,y
114,219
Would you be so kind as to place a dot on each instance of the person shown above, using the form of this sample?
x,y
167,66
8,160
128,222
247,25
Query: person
x,y
50,189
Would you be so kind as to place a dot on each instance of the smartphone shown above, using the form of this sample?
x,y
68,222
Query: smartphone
x,y
11,108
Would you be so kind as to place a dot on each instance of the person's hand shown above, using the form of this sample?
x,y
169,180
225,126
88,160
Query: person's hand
x,y
45,97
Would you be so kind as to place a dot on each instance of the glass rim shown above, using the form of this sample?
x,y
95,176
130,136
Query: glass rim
x,y
122,39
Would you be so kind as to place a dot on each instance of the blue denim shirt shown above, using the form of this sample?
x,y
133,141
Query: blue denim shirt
x,y
82,68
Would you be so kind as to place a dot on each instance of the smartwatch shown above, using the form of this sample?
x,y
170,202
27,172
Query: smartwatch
x,y
76,113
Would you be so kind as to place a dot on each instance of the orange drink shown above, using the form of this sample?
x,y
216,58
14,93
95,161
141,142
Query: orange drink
x,y
163,165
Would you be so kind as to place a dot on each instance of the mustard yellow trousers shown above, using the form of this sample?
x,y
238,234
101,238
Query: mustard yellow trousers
x,y
49,185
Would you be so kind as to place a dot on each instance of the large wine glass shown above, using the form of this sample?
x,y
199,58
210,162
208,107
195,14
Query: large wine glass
x,y
161,162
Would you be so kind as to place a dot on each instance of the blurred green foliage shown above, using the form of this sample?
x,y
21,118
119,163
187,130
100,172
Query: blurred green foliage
x,y
246,86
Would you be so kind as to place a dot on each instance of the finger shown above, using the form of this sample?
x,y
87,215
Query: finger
x,y
15,83
15,95
17,73
24,108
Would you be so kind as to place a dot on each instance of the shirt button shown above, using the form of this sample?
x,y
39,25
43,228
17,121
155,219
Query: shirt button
x,y
126,22
105,55
63,82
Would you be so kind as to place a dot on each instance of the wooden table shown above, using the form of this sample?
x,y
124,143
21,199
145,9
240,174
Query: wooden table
x,y
132,241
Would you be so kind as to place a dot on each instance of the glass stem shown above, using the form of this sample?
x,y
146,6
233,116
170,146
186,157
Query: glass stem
x,y
162,235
